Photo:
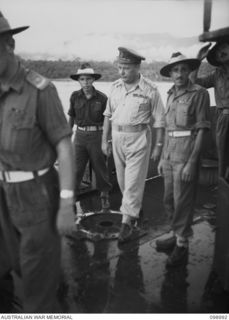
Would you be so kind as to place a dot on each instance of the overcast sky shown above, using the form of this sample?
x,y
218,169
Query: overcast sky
x,y
91,28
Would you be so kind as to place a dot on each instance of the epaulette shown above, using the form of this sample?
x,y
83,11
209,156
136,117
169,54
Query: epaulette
x,y
197,87
37,80
101,93
117,83
150,83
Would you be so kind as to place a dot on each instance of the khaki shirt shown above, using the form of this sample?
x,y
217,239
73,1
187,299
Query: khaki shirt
x,y
87,112
32,122
190,110
219,80
140,105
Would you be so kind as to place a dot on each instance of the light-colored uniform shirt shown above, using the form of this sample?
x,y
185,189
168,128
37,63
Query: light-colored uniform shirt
x,y
189,110
140,105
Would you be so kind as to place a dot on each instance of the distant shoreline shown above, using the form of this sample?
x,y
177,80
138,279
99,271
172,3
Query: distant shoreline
x,y
61,70
102,81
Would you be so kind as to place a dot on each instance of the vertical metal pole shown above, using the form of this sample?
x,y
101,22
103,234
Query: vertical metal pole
x,y
207,15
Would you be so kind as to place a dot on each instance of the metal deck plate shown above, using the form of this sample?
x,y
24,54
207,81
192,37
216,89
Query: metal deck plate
x,y
97,226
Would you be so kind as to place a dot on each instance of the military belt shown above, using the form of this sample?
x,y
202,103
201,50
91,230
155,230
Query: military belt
x,y
179,134
20,176
129,128
90,128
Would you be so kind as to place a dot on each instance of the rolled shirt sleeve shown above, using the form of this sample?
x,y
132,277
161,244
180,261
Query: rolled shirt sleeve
x,y
51,117
201,101
158,110
108,110
207,81
71,111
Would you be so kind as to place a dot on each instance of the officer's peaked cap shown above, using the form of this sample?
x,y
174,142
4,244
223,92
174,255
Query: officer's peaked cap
x,y
129,56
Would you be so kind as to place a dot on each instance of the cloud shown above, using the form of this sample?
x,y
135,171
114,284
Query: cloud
x,y
105,47
95,28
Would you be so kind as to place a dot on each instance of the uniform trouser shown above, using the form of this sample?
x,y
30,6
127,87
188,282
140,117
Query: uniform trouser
x,y
131,153
179,198
30,239
222,135
88,147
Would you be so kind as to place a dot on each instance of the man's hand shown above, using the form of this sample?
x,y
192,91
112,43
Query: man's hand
x,y
106,148
160,168
188,172
156,153
66,217
203,52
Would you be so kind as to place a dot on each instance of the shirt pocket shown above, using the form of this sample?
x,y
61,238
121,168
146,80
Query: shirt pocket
x,y
140,108
97,112
80,111
17,136
182,115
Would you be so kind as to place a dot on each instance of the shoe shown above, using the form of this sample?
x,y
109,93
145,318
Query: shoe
x,y
178,257
125,233
166,244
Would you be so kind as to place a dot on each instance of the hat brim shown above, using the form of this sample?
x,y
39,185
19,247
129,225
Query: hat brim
x,y
96,76
211,57
14,31
193,64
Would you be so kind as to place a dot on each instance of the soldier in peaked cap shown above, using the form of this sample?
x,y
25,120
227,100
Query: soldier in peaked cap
x,y
33,134
133,105
186,118
86,112
218,56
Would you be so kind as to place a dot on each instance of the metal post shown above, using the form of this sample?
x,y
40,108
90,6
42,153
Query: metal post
x,y
207,15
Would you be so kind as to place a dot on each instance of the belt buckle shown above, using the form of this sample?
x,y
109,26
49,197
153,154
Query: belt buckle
x,y
82,128
3,176
171,134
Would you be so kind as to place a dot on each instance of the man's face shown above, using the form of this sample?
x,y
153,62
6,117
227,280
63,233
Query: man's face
x,y
86,81
3,56
180,74
128,72
222,53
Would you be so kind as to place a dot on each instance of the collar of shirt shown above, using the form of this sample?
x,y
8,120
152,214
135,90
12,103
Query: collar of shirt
x,y
16,83
82,94
140,84
189,88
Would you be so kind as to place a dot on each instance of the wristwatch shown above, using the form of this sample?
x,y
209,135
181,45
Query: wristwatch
x,y
66,194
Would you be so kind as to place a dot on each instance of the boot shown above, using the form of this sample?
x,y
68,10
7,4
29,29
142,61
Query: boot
x,y
166,244
178,257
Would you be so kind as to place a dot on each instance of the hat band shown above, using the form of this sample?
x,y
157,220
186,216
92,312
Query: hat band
x,y
128,60
86,71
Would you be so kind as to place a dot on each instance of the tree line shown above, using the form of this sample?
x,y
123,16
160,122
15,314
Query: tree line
x,y
61,69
